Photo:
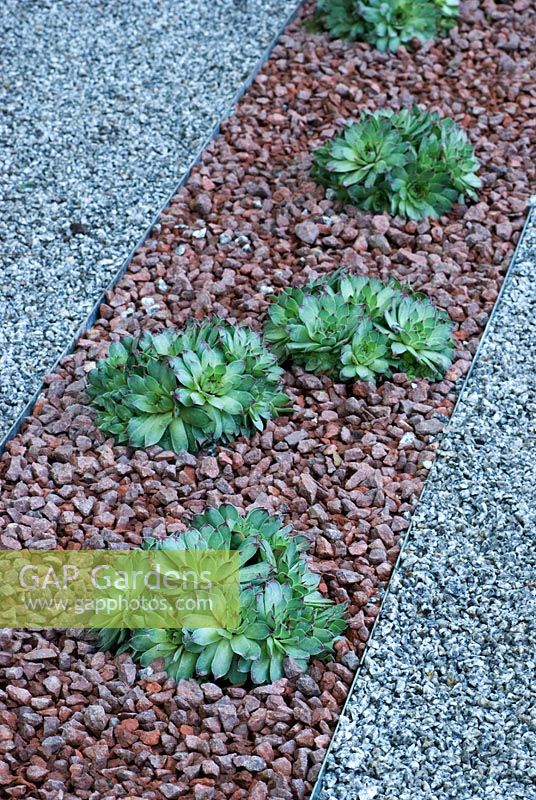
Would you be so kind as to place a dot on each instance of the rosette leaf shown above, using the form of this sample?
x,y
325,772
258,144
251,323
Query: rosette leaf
x,y
107,387
148,644
449,11
412,123
115,639
376,297
374,199
243,344
340,18
459,159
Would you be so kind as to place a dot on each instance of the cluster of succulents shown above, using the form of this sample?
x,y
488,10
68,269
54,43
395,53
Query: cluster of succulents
x,y
386,25
182,389
282,612
353,327
411,163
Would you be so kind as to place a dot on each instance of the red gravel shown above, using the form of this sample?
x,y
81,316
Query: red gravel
x,y
347,468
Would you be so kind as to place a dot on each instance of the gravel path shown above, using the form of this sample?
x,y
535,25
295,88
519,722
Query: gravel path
x,y
102,107
444,706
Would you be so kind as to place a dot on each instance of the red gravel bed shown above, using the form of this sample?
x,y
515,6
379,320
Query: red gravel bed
x,y
346,468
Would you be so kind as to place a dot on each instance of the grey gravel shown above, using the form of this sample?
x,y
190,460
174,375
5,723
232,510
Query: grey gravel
x,y
444,706
102,107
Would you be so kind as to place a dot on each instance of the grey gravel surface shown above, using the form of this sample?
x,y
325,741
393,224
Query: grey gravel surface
x,y
102,107
444,707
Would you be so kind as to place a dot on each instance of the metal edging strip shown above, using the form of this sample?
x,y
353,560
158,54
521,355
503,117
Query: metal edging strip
x,y
94,313
529,221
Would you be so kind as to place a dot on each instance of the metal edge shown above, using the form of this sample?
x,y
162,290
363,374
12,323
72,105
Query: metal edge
x,y
529,222
93,315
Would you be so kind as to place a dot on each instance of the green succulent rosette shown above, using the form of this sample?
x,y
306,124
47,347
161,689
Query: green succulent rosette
x,y
182,389
411,163
367,356
364,152
282,613
392,24
314,336
386,24
357,328
420,336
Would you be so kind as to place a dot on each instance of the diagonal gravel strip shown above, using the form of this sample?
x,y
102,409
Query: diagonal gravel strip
x,y
102,107
444,706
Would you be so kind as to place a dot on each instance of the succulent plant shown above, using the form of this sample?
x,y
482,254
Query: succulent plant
x,y
280,315
115,639
341,18
341,325
386,24
312,337
391,24
412,123
368,354
225,529
295,628
180,389
148,644
274,624
375,198
366,151
375,296
459,159
282,613
410,162
420,336
418,192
